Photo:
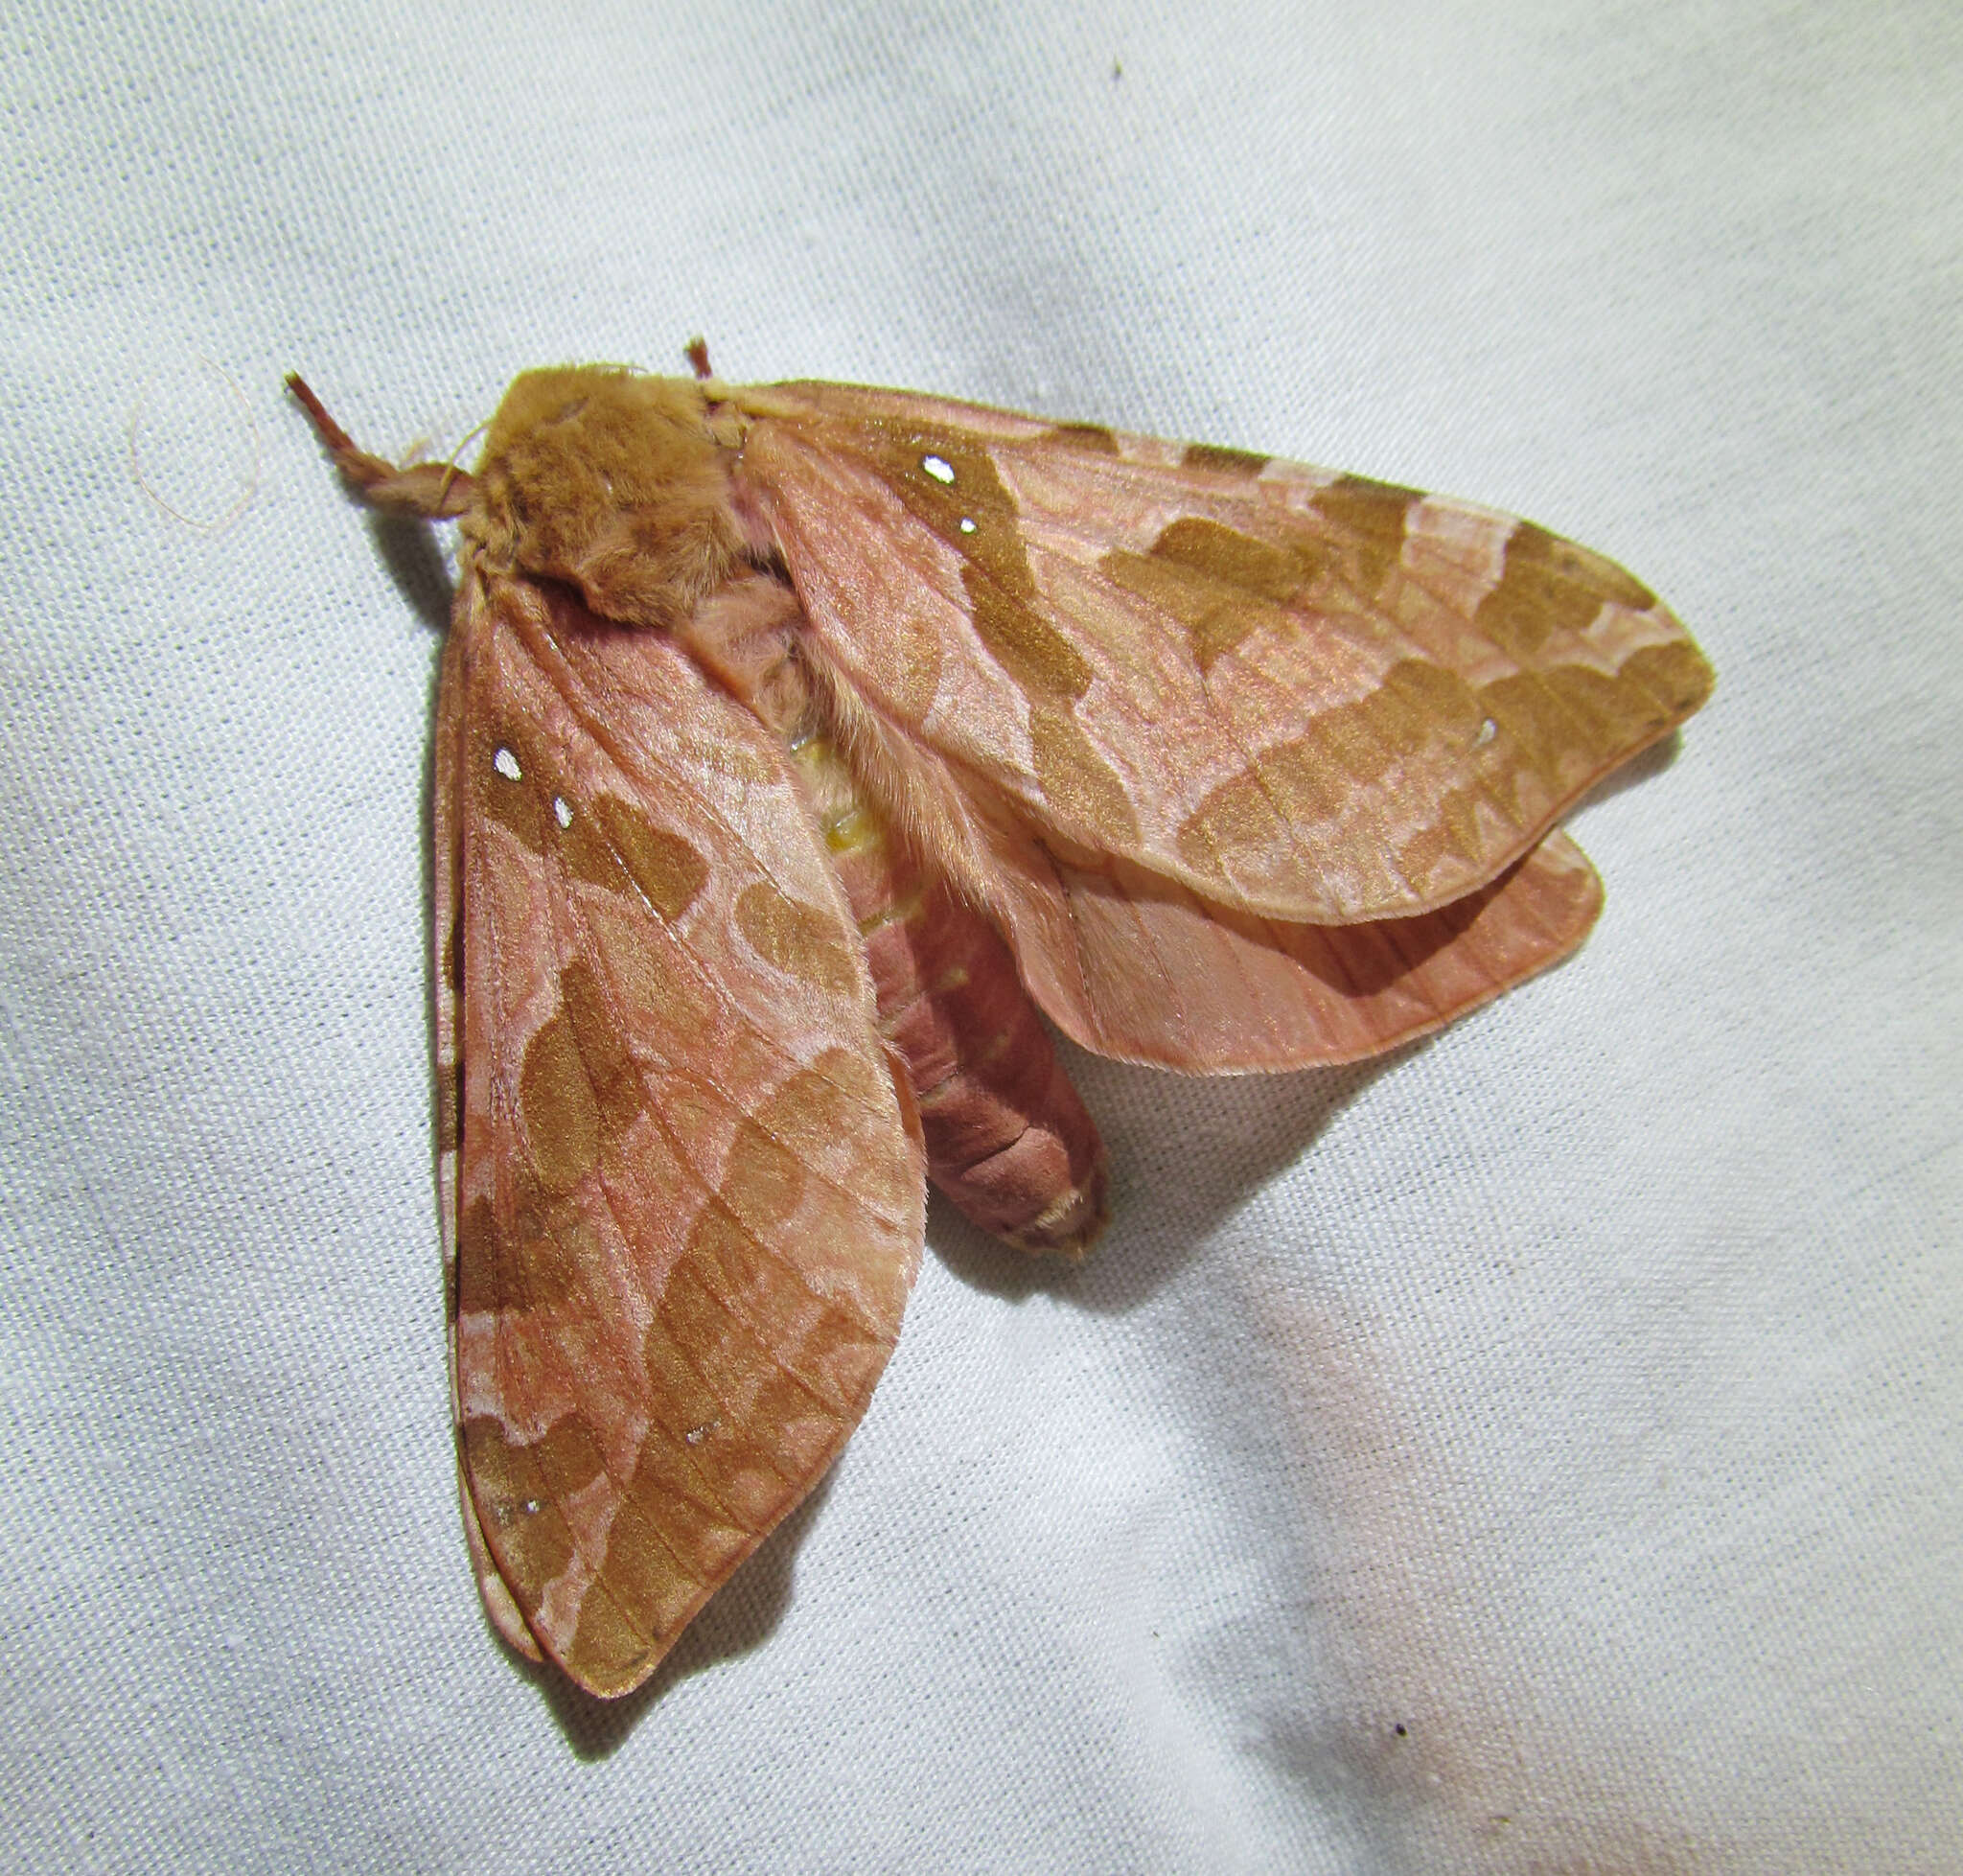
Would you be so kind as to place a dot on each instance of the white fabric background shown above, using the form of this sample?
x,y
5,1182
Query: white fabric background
x,y
1539,1452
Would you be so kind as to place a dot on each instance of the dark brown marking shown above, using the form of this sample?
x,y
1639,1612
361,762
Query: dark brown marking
x,y
519,1487
1371,514
669,1485
1552,730
1233,559
1677,675
797,938
663,997
855,1075
699,1445
1092,438
1309,781
1235,819
535,1265
834,1108
727,1263
615,1084
1243,463
676,1388
1220,583
1549,585
1039,660
450,1130
726,1258
1568,723
562,1120
608,1653
762,1180
1453,836
1077,781
479,1258
1215,622
759,1336
610,843
644,1590
1424,853
995,567
521,805
719,1342
809,1112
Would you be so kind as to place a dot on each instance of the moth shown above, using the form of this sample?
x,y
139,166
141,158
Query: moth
x,y
797,745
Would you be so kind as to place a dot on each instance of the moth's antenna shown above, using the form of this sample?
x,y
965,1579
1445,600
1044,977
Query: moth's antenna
x,y
697,353
441,491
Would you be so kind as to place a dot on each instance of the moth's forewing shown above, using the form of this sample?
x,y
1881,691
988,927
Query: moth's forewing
x,y
689,1205
1297,694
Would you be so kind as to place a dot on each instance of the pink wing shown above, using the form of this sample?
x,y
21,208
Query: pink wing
x,y
687,1203
1296,694
1132,965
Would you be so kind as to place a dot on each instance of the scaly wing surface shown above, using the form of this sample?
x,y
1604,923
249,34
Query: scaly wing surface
x,y
684,1189
1299,695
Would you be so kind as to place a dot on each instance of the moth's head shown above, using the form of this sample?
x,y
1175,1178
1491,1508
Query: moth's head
x,y
576,420
612,482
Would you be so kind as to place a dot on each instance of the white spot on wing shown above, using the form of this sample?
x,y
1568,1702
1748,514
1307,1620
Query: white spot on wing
x,y
506,765
967,525
939,467
560,813
1488,730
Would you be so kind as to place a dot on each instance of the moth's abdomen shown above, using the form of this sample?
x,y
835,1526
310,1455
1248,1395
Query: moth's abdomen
x,y
1007,1139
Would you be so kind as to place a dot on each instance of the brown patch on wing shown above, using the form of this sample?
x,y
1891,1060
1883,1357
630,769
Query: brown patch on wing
x,y
1079,781
1220,583
1370,517
797,938
1096,438
519,1487
610,838
1251,821
1217,460
1552,585
951,486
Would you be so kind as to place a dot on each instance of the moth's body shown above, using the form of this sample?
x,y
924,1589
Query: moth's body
x,y
793,745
